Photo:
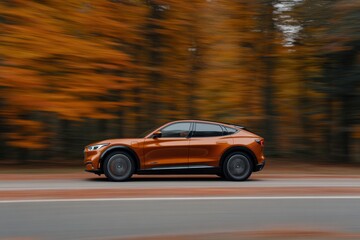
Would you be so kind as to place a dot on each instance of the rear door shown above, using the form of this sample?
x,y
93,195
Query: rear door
x,y
207,143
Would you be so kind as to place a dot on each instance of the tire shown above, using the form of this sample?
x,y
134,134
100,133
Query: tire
x,y
237,167
119,167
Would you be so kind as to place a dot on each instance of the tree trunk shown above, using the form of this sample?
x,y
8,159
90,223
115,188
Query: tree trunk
x,y
154,63
269,61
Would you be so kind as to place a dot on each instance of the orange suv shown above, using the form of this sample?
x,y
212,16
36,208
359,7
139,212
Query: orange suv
x,y
187,146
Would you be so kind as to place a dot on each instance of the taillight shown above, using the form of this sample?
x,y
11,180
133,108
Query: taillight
x,y
261,142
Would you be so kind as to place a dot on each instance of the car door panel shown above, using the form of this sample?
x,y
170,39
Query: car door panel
x,y
166,152
207,150
170,148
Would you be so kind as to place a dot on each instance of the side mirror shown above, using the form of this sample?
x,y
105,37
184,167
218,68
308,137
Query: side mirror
x,y
156,134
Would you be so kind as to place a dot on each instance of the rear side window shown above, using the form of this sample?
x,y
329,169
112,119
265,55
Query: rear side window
x,y
229,130
207,130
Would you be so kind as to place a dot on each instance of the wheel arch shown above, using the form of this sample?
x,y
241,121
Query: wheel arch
x,y
242,149
120,148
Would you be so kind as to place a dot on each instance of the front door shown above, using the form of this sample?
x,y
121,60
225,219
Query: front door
x,y
170,150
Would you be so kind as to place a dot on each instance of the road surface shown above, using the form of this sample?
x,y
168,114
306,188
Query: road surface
x,y
41,214
114,219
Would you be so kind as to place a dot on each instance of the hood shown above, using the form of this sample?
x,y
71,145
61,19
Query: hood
x,y
116,141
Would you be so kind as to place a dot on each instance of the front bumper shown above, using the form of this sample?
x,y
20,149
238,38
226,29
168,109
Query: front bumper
x,y
91,161
90,168
259,167
96,171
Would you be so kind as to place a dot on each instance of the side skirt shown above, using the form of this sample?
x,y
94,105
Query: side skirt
x,y
180,170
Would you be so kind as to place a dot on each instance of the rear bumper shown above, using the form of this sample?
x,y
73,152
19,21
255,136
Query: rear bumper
x,y
259,167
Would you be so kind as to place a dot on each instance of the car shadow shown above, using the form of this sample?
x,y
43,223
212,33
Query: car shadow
x,y
169,179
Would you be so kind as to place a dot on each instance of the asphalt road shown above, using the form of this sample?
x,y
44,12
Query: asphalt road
x,y
114,219
106,218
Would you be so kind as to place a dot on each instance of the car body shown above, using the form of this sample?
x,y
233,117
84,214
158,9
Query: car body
x,y
186,146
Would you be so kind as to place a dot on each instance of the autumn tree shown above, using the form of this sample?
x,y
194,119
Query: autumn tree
x,y
340,54
75,72
64,59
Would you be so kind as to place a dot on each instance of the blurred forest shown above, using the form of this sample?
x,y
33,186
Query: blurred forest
x,y
78,71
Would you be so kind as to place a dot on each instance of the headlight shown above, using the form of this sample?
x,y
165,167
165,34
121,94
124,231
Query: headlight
x,y
97,146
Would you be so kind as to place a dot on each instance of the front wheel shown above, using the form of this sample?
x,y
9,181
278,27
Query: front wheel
x,y
237,167
118,167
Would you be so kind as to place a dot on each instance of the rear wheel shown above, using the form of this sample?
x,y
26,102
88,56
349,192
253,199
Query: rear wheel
x,y
118,167
237,167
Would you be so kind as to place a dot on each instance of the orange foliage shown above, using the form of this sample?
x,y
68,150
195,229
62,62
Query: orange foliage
x,y
119,67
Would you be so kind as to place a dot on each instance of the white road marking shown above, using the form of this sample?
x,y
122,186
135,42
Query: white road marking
x,y
177,199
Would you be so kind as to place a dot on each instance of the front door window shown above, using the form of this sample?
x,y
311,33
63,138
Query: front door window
x,y
176,130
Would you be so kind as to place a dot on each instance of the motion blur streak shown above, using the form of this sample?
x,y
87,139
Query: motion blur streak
x,y
178,199
121,219
73,72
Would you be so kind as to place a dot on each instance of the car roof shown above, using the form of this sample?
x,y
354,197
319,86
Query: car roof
x,y
209,121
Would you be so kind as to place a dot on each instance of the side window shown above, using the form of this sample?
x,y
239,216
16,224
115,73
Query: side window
x,y
207,130
176,130
229,130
